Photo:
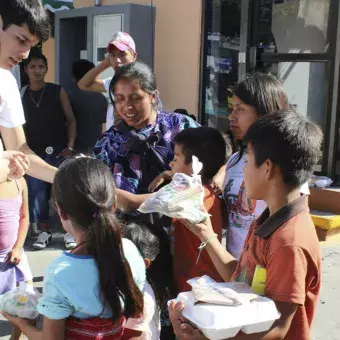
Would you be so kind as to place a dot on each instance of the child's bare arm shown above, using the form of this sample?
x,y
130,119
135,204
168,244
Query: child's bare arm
x,y
52,329
15,254
127,201
160,179
224,262
24,216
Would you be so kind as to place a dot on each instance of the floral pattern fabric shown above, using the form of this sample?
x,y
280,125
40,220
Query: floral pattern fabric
x,y
125,165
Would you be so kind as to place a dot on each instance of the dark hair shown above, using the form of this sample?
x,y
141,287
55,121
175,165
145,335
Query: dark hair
x,y
136,71
208,145
184,112
229,144
265,93
81,67
149,246
290,141
34,55
84,189
29,12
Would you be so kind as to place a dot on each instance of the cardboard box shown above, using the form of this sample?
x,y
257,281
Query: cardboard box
x,y
325,199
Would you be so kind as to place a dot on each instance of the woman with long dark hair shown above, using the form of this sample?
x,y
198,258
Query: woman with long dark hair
x,y
254,97
141,146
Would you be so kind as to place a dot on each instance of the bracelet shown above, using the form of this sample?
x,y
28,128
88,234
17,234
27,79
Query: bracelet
x,y
71,149
204,244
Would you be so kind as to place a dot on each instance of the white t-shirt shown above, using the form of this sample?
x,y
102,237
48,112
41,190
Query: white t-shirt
x,y
149,323
11,111
16,74
110,110
242,210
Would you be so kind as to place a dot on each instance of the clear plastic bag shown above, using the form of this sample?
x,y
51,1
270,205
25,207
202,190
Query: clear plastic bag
x,y
206,290
182,198
21,302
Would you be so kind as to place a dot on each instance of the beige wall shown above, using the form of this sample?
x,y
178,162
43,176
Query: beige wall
x,y
177,49
48,51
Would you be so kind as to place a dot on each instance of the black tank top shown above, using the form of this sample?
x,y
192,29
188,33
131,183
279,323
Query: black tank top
x,y
45,125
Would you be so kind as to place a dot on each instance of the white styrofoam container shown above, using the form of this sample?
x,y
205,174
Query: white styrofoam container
x,y
222,322
265,313
212,320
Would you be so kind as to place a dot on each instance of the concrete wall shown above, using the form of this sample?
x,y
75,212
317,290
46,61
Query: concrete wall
x,y
177,49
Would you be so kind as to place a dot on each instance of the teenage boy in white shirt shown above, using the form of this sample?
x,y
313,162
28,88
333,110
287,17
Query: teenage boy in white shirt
x,y
22,25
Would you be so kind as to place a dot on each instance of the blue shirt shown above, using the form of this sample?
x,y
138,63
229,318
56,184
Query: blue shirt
x,y
71,285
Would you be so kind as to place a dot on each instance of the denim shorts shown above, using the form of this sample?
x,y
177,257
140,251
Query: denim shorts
x,y
39,193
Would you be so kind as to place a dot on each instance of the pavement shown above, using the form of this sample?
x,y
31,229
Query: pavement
x,y
39,260
326,325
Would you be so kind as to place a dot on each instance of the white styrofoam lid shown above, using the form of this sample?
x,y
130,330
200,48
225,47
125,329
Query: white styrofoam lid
x,y
208,316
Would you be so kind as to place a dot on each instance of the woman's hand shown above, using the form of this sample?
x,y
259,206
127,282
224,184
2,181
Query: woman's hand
x,y
202,230
182,329
14,256
17,322
160,179
218,181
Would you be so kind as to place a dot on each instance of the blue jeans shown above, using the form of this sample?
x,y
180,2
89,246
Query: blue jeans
x,y
39,193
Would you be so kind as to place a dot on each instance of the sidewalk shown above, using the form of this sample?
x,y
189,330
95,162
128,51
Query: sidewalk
x,y
326,325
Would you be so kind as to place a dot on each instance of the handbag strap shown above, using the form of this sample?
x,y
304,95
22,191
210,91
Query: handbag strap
x,y
137,142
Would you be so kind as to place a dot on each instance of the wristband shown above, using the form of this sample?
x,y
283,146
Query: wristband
x,y
204,244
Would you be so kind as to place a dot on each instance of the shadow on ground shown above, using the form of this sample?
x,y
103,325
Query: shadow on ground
x,y
5,328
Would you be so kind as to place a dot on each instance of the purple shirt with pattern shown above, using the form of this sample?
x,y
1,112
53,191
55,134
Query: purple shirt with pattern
x,y
125,164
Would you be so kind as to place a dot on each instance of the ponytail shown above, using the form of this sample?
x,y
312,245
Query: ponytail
x,y
104,243
84,189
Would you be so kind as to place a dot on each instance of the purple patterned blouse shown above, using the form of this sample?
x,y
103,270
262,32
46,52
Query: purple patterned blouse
x,y
125,164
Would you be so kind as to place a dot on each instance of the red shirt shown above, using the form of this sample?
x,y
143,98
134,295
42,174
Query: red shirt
x,y
286,245
186,246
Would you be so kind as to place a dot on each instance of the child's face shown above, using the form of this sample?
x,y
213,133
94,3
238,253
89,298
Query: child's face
x,y
178,163
254,176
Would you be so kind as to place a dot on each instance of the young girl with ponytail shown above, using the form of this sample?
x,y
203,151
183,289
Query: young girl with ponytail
x,y
90,292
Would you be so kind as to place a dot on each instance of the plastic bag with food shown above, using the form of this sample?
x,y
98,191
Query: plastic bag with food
x,y
207,290
182,198
21,301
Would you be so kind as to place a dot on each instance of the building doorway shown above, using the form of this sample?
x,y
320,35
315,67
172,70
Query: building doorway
x,y
296,40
